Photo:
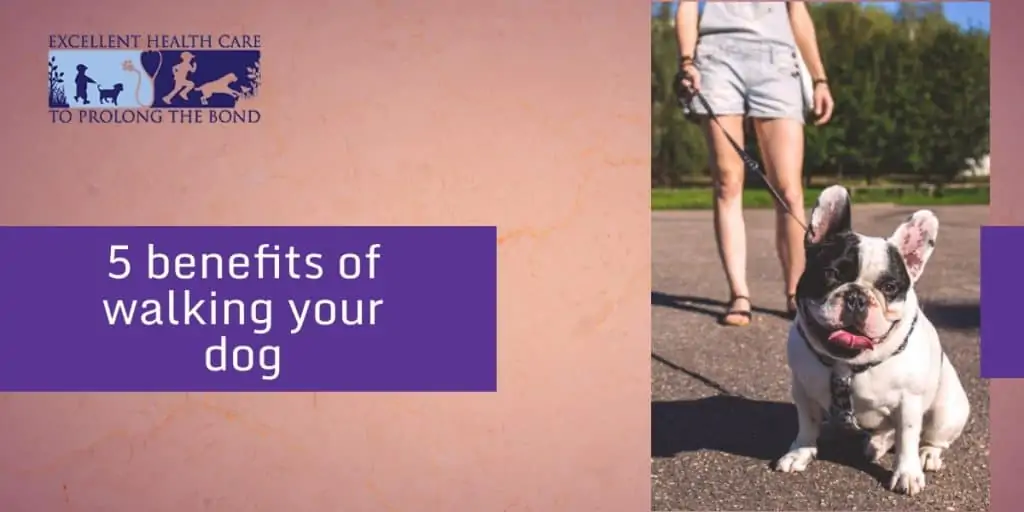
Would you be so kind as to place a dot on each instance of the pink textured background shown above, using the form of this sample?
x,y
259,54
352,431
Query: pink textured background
x,y
1007,456
531,115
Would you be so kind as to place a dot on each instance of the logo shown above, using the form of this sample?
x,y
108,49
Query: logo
x,y
154,79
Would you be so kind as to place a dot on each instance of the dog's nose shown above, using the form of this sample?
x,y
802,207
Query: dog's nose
x,y
856,301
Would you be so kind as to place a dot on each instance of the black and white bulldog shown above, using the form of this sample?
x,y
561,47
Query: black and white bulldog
x,y
862,353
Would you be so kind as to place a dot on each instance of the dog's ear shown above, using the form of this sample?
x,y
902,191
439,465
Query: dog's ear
x,y
830,215
915,240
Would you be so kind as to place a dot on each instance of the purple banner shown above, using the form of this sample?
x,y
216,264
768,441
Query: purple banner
x,y
1002,351
248,309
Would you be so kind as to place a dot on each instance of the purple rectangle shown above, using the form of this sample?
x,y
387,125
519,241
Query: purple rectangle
x,y
436,329
1002,274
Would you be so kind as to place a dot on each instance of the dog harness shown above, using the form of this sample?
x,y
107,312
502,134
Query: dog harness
x,y
840,410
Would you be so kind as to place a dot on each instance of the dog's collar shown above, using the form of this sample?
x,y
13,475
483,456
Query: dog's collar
x,y
828,361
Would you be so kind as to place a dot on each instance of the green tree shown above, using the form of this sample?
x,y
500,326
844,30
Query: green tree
x,y
677,146
911,92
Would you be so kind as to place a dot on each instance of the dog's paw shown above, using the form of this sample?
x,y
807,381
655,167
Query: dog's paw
x,y
796,460
931,458
876,446
907,479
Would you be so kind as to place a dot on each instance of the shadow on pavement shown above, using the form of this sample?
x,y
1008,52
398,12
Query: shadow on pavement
x,y
737,425
731,424
703,305
749,428
961,316
693,375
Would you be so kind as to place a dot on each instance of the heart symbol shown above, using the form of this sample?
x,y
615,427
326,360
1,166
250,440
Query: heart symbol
x,y
150,62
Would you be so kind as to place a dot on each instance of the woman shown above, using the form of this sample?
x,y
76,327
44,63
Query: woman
x,y
744,59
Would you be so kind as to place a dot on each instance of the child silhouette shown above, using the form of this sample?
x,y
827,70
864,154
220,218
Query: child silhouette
x,y
180,72
82,82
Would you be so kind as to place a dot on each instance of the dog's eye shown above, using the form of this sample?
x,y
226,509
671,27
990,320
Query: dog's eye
x,y
889,288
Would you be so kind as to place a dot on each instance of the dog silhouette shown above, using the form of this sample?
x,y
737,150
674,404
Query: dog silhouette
x,y
110,95
221,85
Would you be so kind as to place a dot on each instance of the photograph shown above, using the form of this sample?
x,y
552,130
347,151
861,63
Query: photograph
x,y
819,177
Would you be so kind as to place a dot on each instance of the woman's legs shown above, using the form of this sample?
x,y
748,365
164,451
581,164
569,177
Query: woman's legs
x,y
782,149
730,230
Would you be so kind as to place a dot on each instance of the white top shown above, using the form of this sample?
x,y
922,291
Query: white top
x,y
746,21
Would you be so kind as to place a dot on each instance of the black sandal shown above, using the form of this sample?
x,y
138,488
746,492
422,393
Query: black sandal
x,y
737,317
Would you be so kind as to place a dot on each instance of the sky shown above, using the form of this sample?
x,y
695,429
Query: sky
x,y
965,14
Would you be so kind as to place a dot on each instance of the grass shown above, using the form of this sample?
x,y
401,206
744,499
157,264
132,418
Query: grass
x,y
58,99
701,198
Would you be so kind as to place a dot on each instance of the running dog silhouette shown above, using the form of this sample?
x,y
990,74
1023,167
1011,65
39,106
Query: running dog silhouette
x,y
221,85
110,95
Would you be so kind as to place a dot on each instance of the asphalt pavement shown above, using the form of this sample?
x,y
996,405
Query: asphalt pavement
x,y
721,411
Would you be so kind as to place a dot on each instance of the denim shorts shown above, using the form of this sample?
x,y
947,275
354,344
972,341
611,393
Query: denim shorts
x,y
751,79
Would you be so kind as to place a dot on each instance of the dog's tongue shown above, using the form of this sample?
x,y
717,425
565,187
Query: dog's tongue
x,y
849,340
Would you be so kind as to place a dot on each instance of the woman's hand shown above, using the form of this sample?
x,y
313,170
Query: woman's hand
x,y
823,104
691,78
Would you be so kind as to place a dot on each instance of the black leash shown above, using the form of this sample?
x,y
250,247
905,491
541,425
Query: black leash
x,y
840,387
748,161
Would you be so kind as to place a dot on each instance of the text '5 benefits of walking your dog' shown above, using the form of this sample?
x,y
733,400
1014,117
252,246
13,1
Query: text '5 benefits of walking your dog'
x,y
184,306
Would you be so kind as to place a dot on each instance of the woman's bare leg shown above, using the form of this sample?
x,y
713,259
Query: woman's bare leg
x,y
782,147
730,231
